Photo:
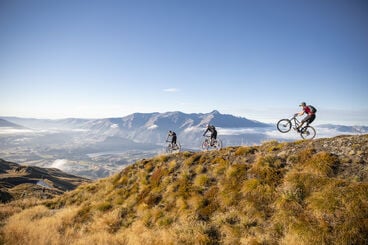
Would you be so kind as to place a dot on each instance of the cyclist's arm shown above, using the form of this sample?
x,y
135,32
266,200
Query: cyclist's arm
x,y
205,132
300,113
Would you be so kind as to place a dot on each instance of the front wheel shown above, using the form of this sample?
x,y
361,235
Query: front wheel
x,y
284,125
308,132
217,144
205,145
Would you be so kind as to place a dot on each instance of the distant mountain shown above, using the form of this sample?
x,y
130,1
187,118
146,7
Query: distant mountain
x,y
150,128
345,129
17,181
5,123
34,123
96,148
153,127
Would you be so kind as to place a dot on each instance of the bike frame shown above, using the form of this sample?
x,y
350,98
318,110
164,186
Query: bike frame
x,y
171,147
296,122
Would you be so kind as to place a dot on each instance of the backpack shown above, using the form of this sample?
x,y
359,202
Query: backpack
x,y
312,108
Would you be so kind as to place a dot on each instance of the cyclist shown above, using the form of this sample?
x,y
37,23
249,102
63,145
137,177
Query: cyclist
x,y
213,131
311,115
172,134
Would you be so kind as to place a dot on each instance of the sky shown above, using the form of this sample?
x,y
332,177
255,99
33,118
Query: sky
x,y
257,59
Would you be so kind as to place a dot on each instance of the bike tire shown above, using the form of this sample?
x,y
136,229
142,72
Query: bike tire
x,y
205,145
284,125
217,144
178,148
308,132
168,149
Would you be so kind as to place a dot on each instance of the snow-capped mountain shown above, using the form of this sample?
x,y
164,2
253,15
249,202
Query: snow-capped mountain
x,y
98,147
153,127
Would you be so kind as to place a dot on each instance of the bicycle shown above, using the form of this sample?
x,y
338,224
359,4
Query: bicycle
x,y
206,144
306,132
170,148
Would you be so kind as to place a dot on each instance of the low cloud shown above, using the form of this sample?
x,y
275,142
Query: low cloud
x,y
153,126
114,126
8,130
241,131
59,164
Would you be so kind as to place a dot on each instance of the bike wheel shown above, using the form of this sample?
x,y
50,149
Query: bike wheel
x,y
308,132
169,149
205,145
284,125
217,144
176,148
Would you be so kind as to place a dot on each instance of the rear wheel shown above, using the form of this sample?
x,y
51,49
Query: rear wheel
x,y
217,144
284,125
169,149
308,132
176,148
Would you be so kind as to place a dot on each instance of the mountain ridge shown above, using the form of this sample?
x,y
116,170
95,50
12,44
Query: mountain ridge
x,y
16,181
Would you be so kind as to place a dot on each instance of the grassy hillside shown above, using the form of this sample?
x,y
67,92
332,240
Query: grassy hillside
x,y
18,182
305,192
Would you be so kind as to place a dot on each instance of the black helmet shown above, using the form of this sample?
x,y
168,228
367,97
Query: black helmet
x,y
303,104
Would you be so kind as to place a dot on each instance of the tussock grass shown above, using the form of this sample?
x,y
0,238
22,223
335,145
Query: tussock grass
x,y
245,150
276,193
321,163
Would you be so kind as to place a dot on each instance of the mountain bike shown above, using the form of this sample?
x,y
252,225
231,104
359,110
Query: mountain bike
x,y
206,144
172,148
306,132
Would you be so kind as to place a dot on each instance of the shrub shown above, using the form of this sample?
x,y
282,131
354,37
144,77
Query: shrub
x,y
266,171
201,180
245,150
321,163
157,175
103,206
192,160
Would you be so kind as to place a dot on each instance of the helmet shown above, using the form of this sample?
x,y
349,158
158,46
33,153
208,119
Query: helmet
x,y
170,131
303,104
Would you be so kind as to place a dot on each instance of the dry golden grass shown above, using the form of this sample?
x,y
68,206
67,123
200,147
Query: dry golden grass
x,y
240,195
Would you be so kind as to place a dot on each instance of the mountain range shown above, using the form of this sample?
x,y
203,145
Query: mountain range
x,y
95,148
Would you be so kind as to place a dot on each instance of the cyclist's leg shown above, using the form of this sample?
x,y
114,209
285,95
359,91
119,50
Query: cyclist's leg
x,y
306,119
212,138
173,141
311,119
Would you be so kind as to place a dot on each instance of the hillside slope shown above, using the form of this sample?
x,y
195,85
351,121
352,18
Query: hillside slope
x,y
305,192
17,181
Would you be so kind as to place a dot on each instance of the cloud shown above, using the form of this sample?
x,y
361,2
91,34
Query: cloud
x,y
153,126
8,130
171,90
114,126
59,163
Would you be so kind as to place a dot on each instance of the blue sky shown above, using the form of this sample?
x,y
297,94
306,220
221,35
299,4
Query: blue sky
x,y
255,59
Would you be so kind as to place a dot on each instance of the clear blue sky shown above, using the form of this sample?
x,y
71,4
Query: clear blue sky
x,y
257,59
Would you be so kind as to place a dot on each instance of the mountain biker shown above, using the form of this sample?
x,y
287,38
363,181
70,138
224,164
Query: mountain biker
x,y
213,131
310,115
172,134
